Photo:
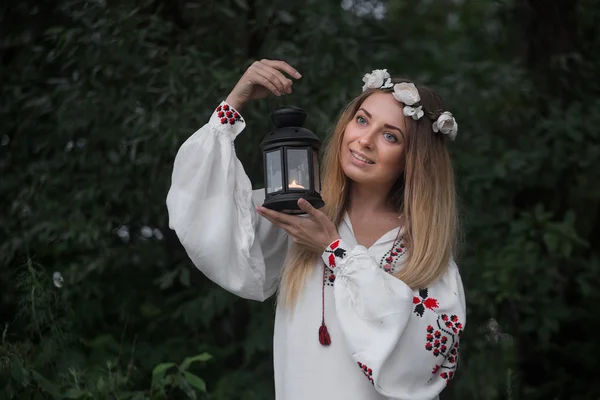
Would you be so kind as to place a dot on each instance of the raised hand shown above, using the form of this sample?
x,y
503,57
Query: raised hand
x,y
260,79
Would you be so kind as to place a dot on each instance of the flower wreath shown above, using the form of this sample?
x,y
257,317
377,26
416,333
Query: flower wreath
x,y
408,94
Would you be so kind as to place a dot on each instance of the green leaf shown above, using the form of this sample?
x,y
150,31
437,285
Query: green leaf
x,y
159,371
187,389
75,393
188,361
184,277
242,4
16,371
195,381
149,310
102,342
130,395
45,384
9,391
55,30
100,384
38,395
167,279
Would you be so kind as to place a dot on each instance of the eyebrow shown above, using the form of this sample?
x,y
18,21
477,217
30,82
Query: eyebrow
x,y
386,125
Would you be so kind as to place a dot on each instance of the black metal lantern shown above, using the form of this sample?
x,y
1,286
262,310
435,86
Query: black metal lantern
x,y
291,161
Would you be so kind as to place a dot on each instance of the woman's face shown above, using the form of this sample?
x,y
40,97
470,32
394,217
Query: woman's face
x,y
373,145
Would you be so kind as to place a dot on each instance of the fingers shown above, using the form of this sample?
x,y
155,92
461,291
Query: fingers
x,y
258,78
280,219
283,84
309,209
277,223
268,73
282,65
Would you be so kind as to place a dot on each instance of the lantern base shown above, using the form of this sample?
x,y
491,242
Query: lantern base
x,y
288,202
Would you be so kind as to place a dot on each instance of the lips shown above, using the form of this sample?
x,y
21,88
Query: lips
x,y
361,157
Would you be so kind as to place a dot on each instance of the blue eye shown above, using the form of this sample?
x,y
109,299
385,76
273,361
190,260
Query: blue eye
x,y
391,137
361,120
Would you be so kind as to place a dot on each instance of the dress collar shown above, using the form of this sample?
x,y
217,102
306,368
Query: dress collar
x,y
347,233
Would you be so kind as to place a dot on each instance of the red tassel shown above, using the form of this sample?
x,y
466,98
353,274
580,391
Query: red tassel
x,y
324,337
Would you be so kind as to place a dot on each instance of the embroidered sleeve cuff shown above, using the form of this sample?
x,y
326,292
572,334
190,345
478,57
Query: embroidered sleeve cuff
x,y
335,253
226,118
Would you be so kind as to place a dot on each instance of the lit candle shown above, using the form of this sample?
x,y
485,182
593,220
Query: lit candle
x,y
294,185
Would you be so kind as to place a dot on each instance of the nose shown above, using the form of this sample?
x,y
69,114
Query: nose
x,y
366,140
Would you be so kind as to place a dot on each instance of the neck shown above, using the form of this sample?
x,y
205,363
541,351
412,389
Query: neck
x,y
368,200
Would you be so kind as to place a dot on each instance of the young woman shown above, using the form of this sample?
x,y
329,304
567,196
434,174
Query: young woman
x,y
370,302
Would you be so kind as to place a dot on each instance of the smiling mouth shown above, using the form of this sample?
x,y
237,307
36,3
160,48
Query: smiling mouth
x,y
361,158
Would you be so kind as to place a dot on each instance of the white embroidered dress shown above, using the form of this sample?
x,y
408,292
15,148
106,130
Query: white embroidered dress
x,y
387,341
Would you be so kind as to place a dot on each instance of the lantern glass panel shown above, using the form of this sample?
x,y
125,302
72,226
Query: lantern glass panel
x,y
316,175
298,174
273,171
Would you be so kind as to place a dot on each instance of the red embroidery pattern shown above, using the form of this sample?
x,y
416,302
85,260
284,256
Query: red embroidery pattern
x,y
423,301
328,279
388,263
334,251
367,371
228,115
389,260
443,340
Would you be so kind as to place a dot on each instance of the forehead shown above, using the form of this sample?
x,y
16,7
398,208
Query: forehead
x,y
384,108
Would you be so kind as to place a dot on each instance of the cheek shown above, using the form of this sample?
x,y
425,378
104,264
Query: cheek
x,y
351,133
344,145
394,162
347,139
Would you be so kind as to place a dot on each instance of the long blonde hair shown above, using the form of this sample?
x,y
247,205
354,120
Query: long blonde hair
x,y
424,195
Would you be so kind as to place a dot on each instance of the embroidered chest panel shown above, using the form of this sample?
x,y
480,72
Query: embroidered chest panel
x,y
442,338
389,262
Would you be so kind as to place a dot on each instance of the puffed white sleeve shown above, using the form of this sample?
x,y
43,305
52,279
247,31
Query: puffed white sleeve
x,y
212,209
405,342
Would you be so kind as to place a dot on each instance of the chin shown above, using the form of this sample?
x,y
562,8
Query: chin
x,y
355,175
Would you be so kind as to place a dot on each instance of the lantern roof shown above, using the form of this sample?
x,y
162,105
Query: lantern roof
x,y
289,131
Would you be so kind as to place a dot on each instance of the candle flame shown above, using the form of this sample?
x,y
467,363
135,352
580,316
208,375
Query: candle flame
x,y
295,185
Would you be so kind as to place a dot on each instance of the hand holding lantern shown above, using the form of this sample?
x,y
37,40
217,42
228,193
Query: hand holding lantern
x,y
314,232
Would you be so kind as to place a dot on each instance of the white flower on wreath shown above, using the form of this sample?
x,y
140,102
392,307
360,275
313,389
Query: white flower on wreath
x,y
413,112
406,93
446,124
378,79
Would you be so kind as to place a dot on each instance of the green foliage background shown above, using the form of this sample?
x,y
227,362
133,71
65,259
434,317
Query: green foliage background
x,y
98,95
